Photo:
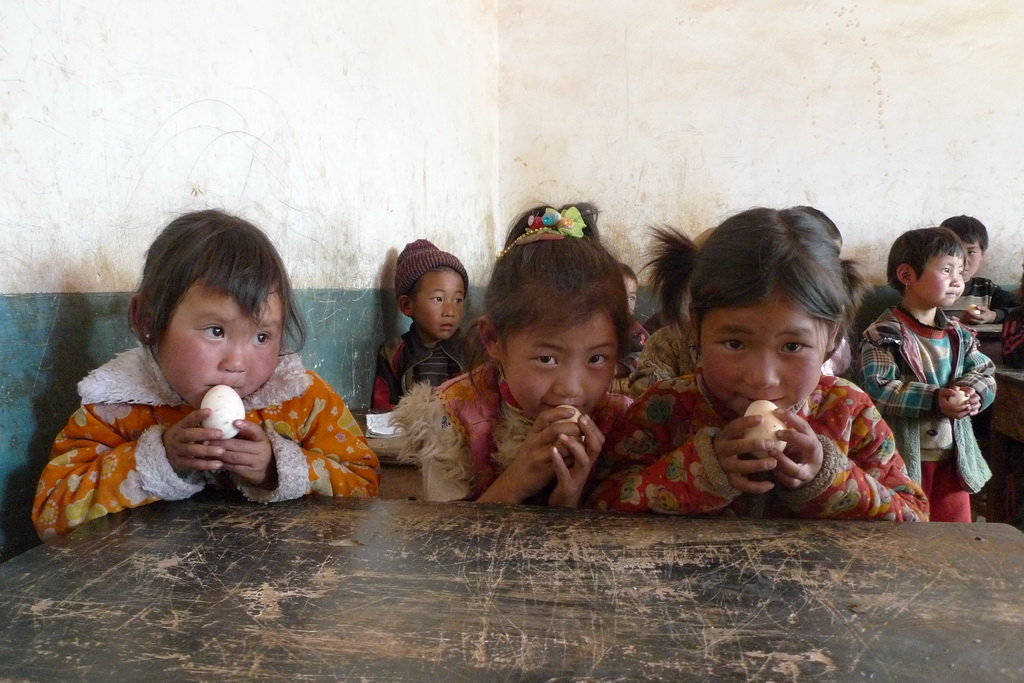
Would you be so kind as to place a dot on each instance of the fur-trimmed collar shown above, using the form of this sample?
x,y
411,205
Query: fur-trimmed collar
x,y
134,377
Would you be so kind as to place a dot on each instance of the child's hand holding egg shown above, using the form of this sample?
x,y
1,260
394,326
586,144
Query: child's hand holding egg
x,y
225,407
768,427
975,314
574,419
959,398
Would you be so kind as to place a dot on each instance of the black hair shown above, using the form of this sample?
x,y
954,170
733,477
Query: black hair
x,y
628,272
751,257
830,226
220,252
917,247
968,229
555,282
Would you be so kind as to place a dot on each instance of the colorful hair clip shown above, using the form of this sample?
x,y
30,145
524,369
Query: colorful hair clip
x,y
550,225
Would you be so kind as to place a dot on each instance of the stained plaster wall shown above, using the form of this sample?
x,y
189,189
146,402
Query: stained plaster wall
x,y
888,115
342,127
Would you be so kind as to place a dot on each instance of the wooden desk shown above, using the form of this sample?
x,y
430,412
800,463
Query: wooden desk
x,y
1007,425
323,588
989,331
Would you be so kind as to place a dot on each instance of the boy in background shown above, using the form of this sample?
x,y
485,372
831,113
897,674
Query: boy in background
x,y
981,301
926,373
431,287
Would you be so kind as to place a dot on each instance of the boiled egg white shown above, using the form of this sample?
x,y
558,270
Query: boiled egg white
x,y
576,414
225,407
767,428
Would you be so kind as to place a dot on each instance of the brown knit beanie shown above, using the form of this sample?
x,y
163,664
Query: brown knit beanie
x,y
420,257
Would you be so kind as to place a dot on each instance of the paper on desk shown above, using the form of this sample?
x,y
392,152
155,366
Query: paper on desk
x,y
381,425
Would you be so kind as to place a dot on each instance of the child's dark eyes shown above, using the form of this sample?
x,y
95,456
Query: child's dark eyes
x,y
597,359
262,338
546,360
215,331
733,344
793,347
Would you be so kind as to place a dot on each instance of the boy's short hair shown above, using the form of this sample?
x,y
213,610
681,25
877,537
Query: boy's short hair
x,y
917,247
419,258
969,229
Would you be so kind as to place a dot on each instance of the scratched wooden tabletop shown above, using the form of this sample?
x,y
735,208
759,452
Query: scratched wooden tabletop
x,y
322,589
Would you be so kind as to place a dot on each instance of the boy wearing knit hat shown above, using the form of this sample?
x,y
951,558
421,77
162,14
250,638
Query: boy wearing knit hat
x,y
431,287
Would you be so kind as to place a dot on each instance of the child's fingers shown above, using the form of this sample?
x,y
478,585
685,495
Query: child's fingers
x,y
788,470
550,433
725,448
561,469
210,464
746,466
183,462
559,415
195,418
192,444
200,435
564,447
788,481
593,438
747,485
794,425
579,458
249,431
738,427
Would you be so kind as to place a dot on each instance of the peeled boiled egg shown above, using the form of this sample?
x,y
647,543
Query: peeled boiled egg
x,y
767,428
225,407
576,414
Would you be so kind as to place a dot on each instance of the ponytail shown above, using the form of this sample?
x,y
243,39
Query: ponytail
x,y
672,260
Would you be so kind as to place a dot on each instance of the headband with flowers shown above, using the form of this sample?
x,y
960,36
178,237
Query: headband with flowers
x,y
550,225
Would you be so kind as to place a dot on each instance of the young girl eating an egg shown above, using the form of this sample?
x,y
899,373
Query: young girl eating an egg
x,y
211,395
527,423
768,292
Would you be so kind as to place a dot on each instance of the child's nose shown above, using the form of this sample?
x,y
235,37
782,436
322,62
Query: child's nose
x,y
568,388
233,359
762,373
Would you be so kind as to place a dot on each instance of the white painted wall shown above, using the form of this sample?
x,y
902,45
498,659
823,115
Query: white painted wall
x,y
342,127
347,128
886,114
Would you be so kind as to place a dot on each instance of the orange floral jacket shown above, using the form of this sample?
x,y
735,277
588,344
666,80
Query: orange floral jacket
x,y
110,455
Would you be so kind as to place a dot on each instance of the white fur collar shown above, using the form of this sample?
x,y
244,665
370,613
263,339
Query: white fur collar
x,y
135,377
